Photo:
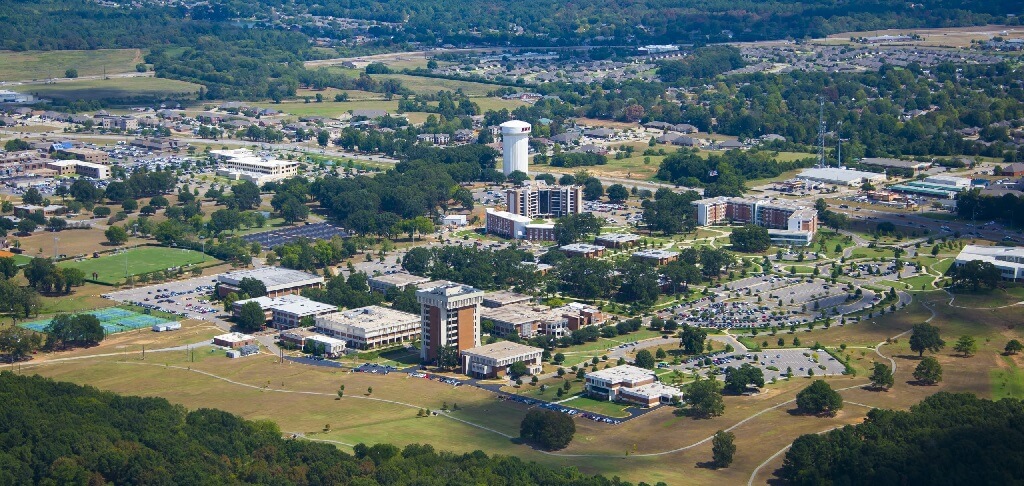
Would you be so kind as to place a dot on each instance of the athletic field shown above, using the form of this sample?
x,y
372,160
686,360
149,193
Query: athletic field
x,y
110,268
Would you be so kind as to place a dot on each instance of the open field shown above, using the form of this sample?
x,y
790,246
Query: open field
x,y
938,37
71,242
111,269
32,65
659,446
94,89
425,85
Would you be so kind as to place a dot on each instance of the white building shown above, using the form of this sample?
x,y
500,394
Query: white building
x,y
841,177
953,182
454,220
369,327
449,316
515,143
493,360
278,280
506,224
243,164
629,383
1009,260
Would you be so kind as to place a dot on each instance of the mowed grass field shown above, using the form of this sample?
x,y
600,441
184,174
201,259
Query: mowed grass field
x,y
93,89
31,65
111,268
660,446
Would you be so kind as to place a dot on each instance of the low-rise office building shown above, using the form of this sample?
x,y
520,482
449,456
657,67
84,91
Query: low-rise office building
x,y
502,298
315,343
493,360
394,281
628,383
841,177
582,250
1009,260
243,164
370,326
617,240
278,281
656,256
234,340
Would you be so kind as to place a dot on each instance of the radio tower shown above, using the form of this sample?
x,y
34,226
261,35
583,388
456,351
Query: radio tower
x,y
821,131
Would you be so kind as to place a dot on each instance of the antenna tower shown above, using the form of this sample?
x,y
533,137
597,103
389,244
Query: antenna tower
x,y
821,131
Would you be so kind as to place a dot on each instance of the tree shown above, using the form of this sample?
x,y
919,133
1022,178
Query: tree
x,y
575,227
447,357
32,196
129,205
27,225
251,317
723,448
750,239
56,224
661,354
9,268
66,330
71,73
617,193
644,359
692,338
705,398
928,371
1013,347
16,343
925,337
881,377
976,273
517,177
246,195
116,235
252,287
548,429
966,345
819,399
518,369
738,379
593,189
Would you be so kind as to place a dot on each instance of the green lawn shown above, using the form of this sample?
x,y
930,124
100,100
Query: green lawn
x,y
1007,382
29,65
871,253
920,282
110,269
95,89
425,85
610,409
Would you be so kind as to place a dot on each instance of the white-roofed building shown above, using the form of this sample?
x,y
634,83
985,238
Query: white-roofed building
x,y
841,177
493,360
1009,260
629,383
369,327
279,281
656,256
243,164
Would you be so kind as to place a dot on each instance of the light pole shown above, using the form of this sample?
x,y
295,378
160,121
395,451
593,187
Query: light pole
x,y
56,254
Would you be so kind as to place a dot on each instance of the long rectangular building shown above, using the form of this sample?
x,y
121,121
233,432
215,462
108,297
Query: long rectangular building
x,y
539,199
774,215
493,360
244,164
279,281
1009,260
369,327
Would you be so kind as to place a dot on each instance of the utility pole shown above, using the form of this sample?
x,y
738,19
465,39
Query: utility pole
x,y
839,137
56,252
821,131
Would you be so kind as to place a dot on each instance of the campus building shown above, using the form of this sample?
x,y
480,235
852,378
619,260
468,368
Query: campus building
x,y
617,240
243,164
327,346
87,169
394,281
493,360
1009,260
840,177
286,311
538,199
628,383
279,281
656,256
369,327
582,250
234,340
508,225
788,224
529,320
449,316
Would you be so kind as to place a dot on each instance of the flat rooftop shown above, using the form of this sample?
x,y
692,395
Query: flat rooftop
x,y
505,297
305,307
371,317
997,255
275,278
519,313
399,279
659,254
651,390
507,215
581,248
502,350
449,289
618,237
233,337
622,373
886,162
837,174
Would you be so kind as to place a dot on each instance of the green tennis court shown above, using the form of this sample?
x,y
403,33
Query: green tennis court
x,y
113,320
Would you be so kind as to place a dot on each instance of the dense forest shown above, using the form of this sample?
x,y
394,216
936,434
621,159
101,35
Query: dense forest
x,y
61,433
946,439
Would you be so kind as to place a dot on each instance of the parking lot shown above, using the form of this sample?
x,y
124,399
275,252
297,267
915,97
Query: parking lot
x,y
278,237
775,363
186,298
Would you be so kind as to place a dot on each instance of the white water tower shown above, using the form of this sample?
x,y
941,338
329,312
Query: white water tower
x,y
515,142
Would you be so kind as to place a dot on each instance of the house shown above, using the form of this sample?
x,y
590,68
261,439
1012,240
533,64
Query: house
x,y
656,256
582,250
600,133
234,340
617,240
1012,170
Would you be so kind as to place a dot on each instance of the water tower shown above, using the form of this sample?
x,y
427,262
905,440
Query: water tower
x,y
515,142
